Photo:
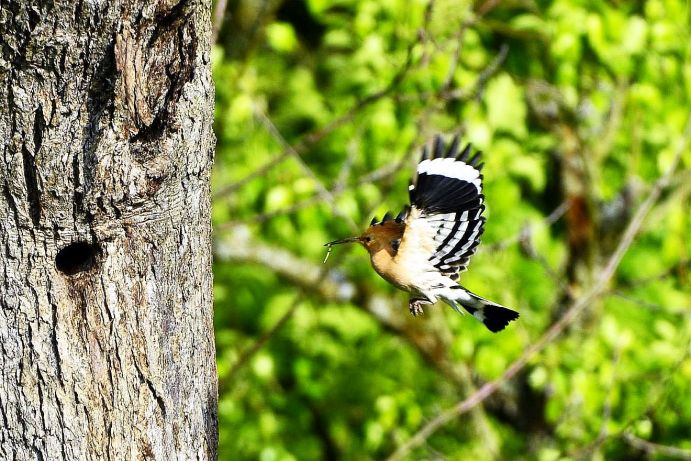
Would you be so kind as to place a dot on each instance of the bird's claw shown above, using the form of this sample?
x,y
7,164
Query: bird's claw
x,y
415,307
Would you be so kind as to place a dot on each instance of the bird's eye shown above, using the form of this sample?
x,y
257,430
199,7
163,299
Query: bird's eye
x,y
368,239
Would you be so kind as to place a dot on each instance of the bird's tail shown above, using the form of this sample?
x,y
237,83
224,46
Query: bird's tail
x,y
493,315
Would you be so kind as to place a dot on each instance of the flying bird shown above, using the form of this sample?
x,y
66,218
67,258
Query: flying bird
x,y
425,248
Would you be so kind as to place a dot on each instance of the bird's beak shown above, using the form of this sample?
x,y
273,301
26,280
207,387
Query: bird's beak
x,y
337,242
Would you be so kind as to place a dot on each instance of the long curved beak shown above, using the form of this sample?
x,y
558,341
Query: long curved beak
x,y
337,242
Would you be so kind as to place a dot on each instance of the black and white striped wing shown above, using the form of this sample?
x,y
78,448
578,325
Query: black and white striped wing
x,y
447,195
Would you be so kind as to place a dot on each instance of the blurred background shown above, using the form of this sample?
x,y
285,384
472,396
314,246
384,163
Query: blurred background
x,y
582,111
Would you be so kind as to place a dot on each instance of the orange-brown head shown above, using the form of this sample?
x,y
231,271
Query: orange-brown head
x,y
385,235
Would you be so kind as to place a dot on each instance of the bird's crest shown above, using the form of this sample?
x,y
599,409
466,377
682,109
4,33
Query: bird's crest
x,y
388,217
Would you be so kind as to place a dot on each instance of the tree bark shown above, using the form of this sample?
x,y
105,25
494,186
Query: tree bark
x,y
106,335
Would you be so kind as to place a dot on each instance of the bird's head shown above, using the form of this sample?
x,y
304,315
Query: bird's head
x,y
384,235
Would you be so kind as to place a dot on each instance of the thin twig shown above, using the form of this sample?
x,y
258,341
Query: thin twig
x,y
656,448
653,307
486,7
248,353
261,171
323,191
550,219
598,288
490,70
668,272
366,101
448,81
604,432
474,91
528,249
338,189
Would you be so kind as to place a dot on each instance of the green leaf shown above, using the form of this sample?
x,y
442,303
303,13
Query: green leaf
x,y
281,37
506,108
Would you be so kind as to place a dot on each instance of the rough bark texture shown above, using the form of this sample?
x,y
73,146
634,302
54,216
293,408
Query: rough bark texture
x,y
106,339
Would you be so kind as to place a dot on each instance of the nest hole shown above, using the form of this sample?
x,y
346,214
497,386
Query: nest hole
x,y
76,257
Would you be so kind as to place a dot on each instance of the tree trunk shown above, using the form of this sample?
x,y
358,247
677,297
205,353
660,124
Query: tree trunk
x,y
106,335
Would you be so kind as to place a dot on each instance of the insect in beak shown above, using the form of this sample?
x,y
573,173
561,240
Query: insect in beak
x,y
338,242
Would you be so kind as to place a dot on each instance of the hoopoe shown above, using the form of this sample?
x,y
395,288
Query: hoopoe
x,y
430,242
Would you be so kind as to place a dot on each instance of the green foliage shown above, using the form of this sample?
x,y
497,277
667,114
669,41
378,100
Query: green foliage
x,y
322,107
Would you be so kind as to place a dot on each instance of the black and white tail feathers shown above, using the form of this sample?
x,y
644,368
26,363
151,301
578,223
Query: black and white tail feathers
x,y
494,316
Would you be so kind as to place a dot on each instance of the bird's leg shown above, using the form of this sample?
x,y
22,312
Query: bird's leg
x,y
415,305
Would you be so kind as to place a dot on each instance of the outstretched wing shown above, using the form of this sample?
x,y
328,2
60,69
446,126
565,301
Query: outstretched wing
x,y
446,205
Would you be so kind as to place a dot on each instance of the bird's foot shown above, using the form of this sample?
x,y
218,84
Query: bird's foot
x,y
415,306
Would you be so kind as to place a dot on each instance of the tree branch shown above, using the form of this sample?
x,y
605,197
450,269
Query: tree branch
x,y
219,14
655,448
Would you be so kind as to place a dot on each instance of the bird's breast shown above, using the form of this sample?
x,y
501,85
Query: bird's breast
x,y
389,270
409,268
